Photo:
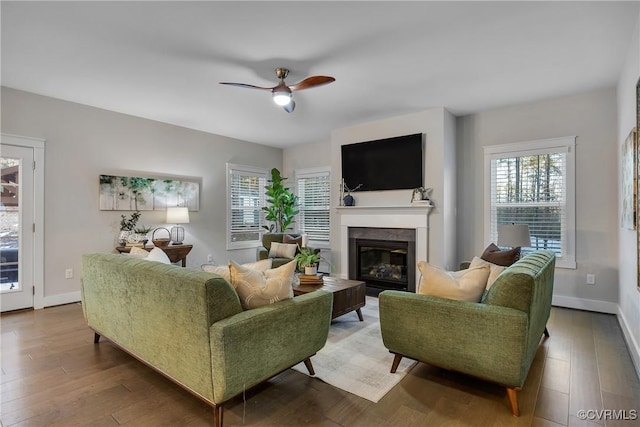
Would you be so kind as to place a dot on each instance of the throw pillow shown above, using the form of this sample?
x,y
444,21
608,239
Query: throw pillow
x,y
463,285
282,250
158,254
292,240
256,288
495,255
137,252
223,270
494,269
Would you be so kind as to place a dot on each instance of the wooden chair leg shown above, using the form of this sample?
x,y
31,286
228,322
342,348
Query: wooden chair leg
x,y
96,337
307,363
396,361
546,332
217,416
512,395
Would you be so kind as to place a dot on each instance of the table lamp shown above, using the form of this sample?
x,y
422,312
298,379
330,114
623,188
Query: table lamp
x,y
177,215
514,235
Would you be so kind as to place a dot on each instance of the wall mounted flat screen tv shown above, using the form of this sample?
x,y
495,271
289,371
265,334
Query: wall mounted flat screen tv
x,y
384,164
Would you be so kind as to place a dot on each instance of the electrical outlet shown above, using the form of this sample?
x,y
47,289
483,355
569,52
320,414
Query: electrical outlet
x,y
591,279
68,273
209,258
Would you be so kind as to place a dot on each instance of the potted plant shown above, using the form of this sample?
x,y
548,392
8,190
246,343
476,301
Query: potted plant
x,y
281,204
307,260
143,233
127,226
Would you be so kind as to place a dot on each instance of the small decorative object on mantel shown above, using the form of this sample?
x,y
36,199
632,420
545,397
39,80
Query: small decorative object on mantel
x,y
348,200
161,242
420,196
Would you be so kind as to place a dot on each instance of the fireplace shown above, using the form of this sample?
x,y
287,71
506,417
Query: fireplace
x,y
383,258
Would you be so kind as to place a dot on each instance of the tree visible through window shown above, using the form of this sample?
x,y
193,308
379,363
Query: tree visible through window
x,y
532,183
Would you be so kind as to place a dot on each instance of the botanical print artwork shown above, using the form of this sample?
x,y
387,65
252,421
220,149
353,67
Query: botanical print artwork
x,y
122,193
629,182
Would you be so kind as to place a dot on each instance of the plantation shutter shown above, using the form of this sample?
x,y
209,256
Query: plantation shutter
x,y
313,198
246,199
531,188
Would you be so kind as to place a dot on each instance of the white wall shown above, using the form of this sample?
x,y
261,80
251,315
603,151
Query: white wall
x,y
83,142
592,118
629,300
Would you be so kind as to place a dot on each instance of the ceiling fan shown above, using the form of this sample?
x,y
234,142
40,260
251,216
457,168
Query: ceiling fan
x,y
282,93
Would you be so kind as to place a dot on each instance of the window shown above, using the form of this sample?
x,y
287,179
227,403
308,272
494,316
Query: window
x,y
314,194
245,198
534,183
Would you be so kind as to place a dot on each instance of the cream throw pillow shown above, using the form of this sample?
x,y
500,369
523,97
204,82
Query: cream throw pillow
x,y
463,285
494,269
137,252
256,288
282,250
223,270
158,254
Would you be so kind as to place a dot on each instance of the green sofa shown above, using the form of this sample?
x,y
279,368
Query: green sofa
x,y
495,339
189,325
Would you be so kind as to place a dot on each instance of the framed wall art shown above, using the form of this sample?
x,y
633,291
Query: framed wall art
x,y
125,193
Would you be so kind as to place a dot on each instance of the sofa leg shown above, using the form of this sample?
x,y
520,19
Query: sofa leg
x,y
396,361
96,337
512,394
546,332
307,363
217,416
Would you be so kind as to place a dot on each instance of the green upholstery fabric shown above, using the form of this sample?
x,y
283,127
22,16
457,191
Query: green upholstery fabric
x,y
262,252
165,315
495,339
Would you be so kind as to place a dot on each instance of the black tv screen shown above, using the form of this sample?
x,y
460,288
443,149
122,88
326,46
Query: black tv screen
x,y
384,164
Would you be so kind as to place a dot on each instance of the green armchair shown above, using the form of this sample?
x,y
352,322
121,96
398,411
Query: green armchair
x,y
262,252
495,339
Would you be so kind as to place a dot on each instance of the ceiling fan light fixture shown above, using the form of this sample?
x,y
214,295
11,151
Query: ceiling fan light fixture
x,y
282,97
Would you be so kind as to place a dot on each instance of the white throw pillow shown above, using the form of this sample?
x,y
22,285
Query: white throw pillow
x,y
494,269
282,250
256,288
137,252
223,270
463,285
158,254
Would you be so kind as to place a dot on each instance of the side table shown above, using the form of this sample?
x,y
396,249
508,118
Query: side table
x,y
174,252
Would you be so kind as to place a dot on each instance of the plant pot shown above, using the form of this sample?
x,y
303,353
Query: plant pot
x,y
311,270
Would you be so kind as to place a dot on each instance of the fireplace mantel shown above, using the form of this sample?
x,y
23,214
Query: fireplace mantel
x,y
342,210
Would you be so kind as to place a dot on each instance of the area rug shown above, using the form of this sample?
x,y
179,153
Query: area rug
x,y
354,358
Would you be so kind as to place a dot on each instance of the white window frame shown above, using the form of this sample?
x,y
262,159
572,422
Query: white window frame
x,y
251,171
543,146
311,173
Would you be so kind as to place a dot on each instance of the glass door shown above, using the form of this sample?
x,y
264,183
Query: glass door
x,y
16,227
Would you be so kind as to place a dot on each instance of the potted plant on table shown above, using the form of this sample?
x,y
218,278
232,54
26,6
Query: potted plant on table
x,y
307,261
127,226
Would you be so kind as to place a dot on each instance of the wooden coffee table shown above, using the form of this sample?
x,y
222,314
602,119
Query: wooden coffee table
x,y
348,295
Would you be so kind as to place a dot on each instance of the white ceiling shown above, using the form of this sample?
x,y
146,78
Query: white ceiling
x,y
163,60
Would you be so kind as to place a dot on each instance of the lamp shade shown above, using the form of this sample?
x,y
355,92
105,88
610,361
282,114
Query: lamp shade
x,y
514,235
178,215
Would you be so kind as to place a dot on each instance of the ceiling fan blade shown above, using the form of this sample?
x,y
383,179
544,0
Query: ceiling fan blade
x,y
246,85
312,81
290,106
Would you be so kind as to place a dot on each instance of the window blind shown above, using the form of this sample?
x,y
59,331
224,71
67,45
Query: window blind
x,y
314,202
246,198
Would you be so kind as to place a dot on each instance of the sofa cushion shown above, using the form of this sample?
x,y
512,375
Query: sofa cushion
x,y
463,285
223,270
494,269
157,254
137,252
256,288
282,250
292,239
495,255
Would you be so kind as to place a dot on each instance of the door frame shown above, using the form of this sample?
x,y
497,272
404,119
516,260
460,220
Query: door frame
x,y
38,207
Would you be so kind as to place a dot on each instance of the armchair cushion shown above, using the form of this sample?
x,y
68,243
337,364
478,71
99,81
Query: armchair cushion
x,y
296,240
499,256
282,250
463,285
256,288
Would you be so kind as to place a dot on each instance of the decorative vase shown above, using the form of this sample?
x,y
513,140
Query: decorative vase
x,y
311,270
349,200
123,238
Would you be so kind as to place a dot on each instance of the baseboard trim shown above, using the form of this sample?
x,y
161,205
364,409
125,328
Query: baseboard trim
x,y
585,304
632,344
60,299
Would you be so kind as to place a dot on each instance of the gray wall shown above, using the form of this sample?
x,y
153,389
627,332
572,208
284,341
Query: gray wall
x,y
83,142
592,118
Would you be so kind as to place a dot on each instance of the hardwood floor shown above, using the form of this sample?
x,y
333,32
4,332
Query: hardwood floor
x,y
53,375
